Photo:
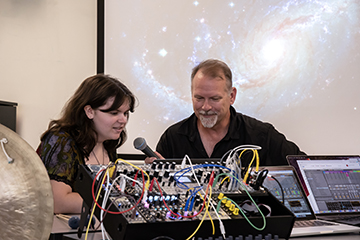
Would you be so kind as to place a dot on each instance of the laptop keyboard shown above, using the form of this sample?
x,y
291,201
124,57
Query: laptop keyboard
x,y
312,223
352,218
343,217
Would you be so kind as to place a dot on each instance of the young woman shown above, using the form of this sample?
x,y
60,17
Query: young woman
x,y
91,128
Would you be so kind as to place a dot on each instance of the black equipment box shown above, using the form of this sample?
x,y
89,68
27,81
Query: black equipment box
x,y
124,226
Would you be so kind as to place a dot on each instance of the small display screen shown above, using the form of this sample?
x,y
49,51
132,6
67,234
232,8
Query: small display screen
x,y
184,179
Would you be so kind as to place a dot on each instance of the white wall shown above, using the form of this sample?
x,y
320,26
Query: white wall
x,y
47,47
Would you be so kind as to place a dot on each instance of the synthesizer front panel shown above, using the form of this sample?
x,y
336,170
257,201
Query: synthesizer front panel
x,y
178,200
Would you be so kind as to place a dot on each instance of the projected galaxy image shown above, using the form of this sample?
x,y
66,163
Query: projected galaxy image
x,y
280,52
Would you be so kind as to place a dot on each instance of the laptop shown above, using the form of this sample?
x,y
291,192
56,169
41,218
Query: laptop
x,y
296,201
332,186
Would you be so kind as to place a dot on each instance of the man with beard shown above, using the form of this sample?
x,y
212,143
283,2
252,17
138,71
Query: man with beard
x,y
215,127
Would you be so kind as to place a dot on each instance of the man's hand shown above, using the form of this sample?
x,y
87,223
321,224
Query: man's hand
x,y
149,160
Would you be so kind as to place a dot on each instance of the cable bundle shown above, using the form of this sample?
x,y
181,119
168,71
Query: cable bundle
x,y
197,198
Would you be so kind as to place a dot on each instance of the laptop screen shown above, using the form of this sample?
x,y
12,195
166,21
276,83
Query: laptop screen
x,y
295,199
332,183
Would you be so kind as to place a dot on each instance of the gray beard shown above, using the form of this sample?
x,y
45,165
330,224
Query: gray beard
x,y
208,122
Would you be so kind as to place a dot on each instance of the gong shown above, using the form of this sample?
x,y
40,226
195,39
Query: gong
x,y
26,200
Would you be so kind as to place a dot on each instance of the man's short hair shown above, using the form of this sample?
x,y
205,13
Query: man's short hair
x,y
212,67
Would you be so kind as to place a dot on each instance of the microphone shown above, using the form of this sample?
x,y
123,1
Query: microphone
x,y
140,144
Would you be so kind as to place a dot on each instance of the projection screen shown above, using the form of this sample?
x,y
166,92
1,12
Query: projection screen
x,y
295,64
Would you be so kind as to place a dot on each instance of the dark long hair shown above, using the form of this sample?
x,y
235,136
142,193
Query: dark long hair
x,y
93,91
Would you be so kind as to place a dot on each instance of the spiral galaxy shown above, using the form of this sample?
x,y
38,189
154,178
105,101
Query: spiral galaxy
x,y
280,52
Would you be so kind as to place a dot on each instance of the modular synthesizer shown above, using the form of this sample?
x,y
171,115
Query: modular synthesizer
x,y
182,199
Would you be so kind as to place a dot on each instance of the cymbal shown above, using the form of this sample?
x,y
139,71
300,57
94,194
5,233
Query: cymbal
x,y
26,200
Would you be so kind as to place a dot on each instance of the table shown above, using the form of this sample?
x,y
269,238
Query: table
x,y
61,227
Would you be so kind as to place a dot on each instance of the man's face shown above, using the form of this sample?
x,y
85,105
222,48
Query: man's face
x,y
211,99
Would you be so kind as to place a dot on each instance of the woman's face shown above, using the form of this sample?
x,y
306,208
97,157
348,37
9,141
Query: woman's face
x,y
109,125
